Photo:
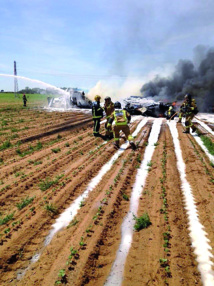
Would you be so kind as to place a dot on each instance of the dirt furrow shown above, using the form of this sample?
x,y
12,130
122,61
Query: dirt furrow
x,y
109,196
161,254
198,166
37,220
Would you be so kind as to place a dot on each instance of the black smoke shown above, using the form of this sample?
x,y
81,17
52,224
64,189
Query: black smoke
x,y
187,78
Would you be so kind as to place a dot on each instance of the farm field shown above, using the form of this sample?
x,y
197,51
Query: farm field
x,y
51,162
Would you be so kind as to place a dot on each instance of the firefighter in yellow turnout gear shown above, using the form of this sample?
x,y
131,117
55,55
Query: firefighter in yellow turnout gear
x,y
190,110
109,108
181,113
121,118
97,114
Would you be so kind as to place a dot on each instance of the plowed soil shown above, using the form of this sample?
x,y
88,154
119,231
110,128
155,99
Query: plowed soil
x,y
50,162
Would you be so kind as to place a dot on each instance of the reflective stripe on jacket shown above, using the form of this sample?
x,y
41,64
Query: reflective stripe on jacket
x,y
121,117
97,111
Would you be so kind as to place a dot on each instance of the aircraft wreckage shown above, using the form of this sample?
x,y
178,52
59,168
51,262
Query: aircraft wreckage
x,y
134,105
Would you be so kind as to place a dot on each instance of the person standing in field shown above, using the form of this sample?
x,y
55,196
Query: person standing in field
x,y
122,118
189,108
97,114
24,98
109,108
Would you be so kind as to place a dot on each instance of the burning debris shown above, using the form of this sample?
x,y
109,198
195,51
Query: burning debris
x,y
141,106
187,78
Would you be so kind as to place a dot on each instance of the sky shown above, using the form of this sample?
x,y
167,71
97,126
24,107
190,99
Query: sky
x,y
100,45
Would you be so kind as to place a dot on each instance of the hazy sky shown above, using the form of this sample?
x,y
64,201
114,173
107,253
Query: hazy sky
x,y
77,43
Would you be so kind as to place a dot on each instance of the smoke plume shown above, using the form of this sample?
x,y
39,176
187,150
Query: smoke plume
x,y
195,78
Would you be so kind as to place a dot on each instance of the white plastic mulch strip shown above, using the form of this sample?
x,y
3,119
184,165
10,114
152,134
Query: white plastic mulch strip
x,y
204,125
206,116
200,142
67,216
197,233
116,274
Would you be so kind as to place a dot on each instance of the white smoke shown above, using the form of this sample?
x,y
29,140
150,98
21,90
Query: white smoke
x,y
119,88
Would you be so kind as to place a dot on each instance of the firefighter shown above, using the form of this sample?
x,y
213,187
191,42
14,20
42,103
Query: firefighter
x,y
109,108
189,108
170,112
97,114
122,119
181,113
24,98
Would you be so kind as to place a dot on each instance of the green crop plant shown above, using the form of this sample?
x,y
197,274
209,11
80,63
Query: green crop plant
x,y
125,197
14,136
82,203
14,129
46,184
5,145
25,202
6,219
168,271
166,235
142,222
163,262
67,144
73,252
104,201
5,188
81,243
4,123
73,222
51,209
208,143
7,230
138,158
56,150
166,243
62,276
37,163
38,146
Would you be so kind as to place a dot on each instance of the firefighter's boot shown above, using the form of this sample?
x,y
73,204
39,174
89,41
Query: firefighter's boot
x,y
133,146
116,145
186,131
194,128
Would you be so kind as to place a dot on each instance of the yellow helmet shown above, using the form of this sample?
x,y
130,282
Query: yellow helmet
x,y
97,98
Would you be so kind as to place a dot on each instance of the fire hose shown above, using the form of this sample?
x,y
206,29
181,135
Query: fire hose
x,y
173,115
